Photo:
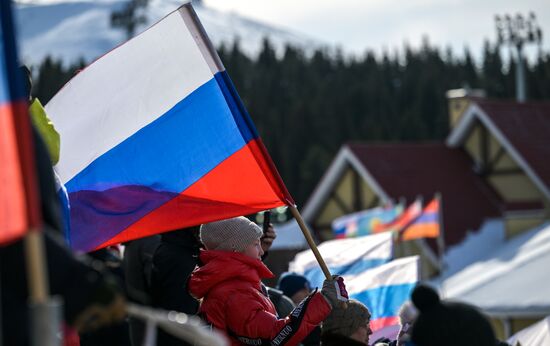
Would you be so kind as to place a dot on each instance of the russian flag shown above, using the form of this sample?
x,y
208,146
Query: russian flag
x,y
19,210
427,225
346,257
384,289
154,138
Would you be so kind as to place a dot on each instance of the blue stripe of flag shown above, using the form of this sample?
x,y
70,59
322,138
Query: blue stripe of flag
x,y
238,110
160,161
11,83
384,301
429,217
316,276
175,150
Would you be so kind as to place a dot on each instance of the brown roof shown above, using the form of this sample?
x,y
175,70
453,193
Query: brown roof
x,y
527,128
408,170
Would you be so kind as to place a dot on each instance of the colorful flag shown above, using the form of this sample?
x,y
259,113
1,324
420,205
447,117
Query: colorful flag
x,y
19,210
384,289
154,137
364,222
426,225
344,257
409,215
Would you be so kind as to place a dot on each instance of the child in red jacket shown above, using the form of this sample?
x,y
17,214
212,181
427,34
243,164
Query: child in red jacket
x,y
233,298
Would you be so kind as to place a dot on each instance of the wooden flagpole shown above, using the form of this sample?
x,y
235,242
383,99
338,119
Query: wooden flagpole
x,y
36,266
310,241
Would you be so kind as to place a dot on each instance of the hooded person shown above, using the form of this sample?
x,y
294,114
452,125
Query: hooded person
x,y
233,298
448,323
294,286
347,326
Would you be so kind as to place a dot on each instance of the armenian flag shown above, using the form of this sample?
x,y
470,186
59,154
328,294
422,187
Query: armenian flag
x,y
427,225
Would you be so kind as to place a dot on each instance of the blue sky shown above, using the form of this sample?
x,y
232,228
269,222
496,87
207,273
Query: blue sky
x,y
386,24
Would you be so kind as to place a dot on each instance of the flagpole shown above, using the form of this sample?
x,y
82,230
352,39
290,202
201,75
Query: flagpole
x,y
36,266
440,238
310,241
45,311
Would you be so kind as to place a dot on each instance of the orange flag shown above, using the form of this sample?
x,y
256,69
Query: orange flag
x,y
426,225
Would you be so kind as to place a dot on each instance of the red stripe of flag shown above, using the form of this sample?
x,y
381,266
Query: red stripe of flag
x,y
19,209
18,196
408,216
229,197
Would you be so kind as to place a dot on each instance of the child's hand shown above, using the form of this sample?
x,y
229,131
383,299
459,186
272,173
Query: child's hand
x,y
334,291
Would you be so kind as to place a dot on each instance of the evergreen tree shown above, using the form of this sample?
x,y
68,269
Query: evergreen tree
x,y
306,107
130,16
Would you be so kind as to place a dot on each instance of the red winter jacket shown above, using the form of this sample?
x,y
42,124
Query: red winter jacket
x,y
233,302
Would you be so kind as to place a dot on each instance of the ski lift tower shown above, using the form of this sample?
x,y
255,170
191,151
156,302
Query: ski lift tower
x,y
516,32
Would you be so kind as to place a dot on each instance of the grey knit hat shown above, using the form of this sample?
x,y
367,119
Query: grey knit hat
x,y
346,321
230,235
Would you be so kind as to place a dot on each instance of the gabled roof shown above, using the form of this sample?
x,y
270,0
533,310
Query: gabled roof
x,y
409,170
522,128
343,159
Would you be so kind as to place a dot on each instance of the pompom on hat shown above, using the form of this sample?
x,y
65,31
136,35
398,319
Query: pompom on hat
x,y
448,323
230,235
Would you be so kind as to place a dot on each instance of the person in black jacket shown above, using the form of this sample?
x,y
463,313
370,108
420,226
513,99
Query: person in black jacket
x,y
173,261
450,323
138,271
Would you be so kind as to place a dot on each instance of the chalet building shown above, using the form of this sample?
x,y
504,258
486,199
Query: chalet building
x,y
494,164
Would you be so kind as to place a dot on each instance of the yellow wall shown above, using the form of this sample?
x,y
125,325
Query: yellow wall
x,y
368,195
520,224
344,189
457,106
494,147
329,212
506,162
515,187
472,144
331,209
516,324
511,187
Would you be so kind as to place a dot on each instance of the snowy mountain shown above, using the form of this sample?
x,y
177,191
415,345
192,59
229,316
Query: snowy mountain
x,y
74,29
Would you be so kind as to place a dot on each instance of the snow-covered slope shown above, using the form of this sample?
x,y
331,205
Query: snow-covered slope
x,y
74,29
